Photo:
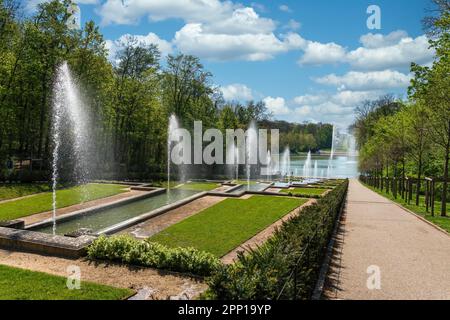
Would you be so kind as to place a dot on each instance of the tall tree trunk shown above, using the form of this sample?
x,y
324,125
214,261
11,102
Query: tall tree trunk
x,y
419,176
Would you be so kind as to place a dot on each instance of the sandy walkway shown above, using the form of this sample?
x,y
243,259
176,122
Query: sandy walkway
x,y
413,257
45,215
262,237
152,226
150,283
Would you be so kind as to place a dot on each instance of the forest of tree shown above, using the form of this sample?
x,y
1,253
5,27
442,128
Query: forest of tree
x,y
412,138
130,100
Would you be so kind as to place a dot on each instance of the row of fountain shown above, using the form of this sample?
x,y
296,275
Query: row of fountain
x,y
72,139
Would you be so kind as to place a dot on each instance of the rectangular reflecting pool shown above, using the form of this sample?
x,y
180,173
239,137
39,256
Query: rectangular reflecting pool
x,y
106,218
251,187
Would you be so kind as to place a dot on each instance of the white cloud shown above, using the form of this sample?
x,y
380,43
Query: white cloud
x,y
114,46
284,8
398,55
237,92
193,39
334,108
318,53
379,52
276,105
293,25
375,80
378,40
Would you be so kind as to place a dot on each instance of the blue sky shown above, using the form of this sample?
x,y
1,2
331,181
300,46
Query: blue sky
x,y
309,60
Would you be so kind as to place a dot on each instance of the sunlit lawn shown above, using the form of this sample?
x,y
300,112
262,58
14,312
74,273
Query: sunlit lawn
x,y
443,222
224,226
20,284
66,197
16,190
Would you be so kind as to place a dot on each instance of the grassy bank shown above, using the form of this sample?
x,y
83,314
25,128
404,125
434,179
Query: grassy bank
x,y
16,190
305,192
443,222
43,202
20,284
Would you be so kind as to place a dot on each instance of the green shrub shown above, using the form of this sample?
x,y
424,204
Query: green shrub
x,y
281,267
126,249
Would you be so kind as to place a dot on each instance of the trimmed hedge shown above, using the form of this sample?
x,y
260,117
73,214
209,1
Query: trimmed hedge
x,y
124,248
275,270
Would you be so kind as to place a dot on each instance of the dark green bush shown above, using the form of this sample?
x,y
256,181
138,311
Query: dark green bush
x,y
282,267
126,249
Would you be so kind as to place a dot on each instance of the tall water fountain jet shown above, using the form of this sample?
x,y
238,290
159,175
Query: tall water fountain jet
x,y
316,173
351,151
269,166
70,123
330,161
171,129
251,148
286,163
231,156
307,166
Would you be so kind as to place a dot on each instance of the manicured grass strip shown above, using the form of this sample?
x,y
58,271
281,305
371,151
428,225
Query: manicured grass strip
x,y
224,226
66,197
443,222
20,284
16,190
200,186
304,191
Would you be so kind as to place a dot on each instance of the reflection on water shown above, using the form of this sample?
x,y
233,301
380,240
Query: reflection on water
x,y
341,166
109,217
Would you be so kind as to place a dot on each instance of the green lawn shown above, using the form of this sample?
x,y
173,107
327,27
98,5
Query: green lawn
x,y
66,197
200,186
16,190
305,191
224,226
20,284
443,222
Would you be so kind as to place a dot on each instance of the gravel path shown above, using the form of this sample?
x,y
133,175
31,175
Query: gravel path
x,y
412,257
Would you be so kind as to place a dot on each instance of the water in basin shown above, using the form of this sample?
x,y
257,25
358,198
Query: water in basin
x,y
109,217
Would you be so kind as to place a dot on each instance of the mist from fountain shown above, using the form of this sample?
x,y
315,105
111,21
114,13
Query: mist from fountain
x,y
316,173
286,163
251,148
307,166
171,130
70,123
269,166
330,161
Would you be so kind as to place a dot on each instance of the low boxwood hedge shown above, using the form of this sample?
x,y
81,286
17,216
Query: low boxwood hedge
x,y
126,249
288,264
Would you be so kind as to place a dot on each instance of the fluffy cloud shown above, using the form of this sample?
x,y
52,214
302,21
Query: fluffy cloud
x,y
293,25
237,92
319,53
375,80
114,46
334,108
284,8
276,105
379,52
193,39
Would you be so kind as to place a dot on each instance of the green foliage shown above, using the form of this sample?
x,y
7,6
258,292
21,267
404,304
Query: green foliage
x,y
146,253
16,190
227,224
413,139
267,272
21,284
